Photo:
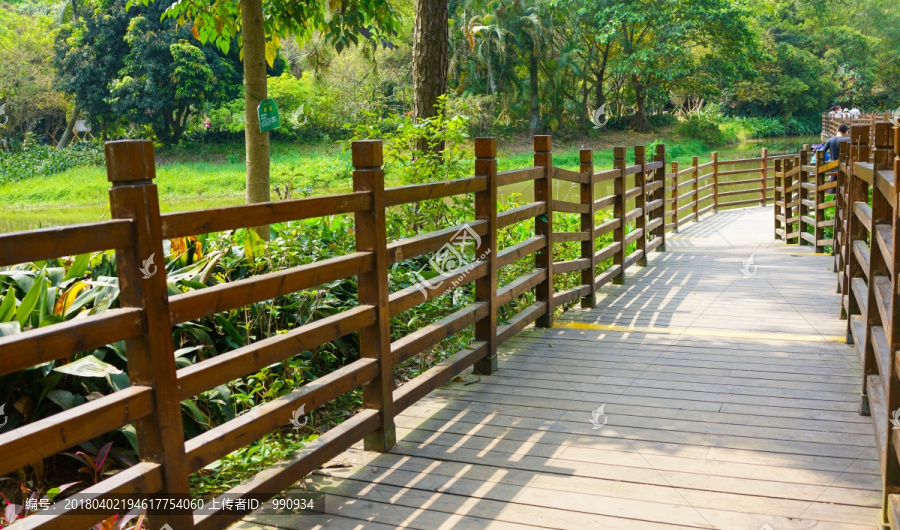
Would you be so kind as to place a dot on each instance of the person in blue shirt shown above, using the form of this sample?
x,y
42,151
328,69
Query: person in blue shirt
x,y
832,147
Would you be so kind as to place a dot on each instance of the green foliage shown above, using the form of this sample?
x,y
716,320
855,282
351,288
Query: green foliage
x,y
165,78
37,161
26,74
703,127
412,148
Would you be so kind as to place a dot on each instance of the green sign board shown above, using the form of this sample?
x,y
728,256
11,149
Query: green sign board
x,y
268,115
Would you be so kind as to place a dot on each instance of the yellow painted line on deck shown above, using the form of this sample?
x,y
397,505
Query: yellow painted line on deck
x,y
794,337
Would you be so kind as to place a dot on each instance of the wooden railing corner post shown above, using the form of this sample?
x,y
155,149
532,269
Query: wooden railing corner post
x,y
375,340
764,174
486,286
589,274
660,194
715,179
640,203
130,167
619,210
543,225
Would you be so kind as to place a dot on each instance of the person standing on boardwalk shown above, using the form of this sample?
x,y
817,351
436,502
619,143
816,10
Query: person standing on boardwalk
x,y
832,147
854,112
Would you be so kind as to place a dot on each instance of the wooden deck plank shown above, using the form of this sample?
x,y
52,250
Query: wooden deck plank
x,y
729,402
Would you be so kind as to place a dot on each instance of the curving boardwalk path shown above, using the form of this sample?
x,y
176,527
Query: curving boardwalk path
x,y
730,402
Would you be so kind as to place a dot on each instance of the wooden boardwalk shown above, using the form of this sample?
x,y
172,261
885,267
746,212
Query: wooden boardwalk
x,y
730,402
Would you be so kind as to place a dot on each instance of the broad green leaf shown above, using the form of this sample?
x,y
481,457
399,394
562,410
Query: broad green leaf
x,y
9,328
88,366
30,301
8,306
79,266
65,399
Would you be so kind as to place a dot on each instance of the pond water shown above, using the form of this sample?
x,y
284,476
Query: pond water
x,y
12,220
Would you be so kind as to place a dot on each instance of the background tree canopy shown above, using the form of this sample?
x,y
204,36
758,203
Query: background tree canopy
x,y
514,65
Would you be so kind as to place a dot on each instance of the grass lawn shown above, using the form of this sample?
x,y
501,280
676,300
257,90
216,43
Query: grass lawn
x,y
193,176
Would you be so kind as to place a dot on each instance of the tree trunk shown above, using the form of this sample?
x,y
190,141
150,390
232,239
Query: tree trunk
x,y
67,136
431,50
257,143
535,124
640,123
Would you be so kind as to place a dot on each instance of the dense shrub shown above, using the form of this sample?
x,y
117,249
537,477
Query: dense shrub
x,y
703,127
41,160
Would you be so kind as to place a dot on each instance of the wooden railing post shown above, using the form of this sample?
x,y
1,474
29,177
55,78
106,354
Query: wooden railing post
x,y
543,225
486,286
840,218
778,200
675,197
818,213
660,194
765,174
619,211
640,181
695,161
375,340
130,167
790,204
715,179
588,275
804,208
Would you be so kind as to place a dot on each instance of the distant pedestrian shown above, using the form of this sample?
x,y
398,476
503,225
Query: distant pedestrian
x,y
832,113
207,124
831,149
854,112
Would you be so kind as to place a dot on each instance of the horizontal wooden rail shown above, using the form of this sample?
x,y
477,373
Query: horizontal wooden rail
x,y
258,421
225,296
422,244
46,243
37,346
518,251
281,476
209,373
506,178
50,435
432,334
520,213
434,190
191,223
418,294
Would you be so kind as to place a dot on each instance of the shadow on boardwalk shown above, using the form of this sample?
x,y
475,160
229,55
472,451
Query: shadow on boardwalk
x,y
730,402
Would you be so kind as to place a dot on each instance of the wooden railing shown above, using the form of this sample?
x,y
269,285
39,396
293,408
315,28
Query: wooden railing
x,y
830,125
148,312
803,195
867,232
